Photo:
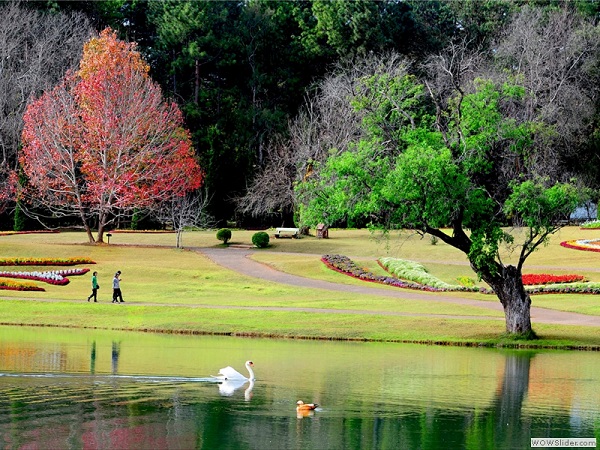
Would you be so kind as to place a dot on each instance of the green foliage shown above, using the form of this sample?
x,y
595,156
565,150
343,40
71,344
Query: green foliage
x,y
20,219
224,234
260,239
420,177
538,206
593,224
136,219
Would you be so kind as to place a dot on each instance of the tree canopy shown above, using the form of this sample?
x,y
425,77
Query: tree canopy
x,y
425,169
104,141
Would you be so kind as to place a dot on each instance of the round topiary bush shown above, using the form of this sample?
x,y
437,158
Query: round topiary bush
x,y
224,234
260,239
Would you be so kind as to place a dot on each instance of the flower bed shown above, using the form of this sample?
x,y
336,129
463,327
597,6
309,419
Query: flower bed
x,y
143,231
567,288
590,245
10,233
542,278
19,286
345,265
56,277
415,272
45,261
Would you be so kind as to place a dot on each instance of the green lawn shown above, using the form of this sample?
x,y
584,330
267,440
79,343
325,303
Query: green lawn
x,y
165,289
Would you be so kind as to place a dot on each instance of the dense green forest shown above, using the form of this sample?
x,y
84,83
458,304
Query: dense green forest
x,y
252,76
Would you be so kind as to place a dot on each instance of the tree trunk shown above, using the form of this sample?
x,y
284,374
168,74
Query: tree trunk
x,y
88,231
100,235
178,238
516,302
86,225
101,227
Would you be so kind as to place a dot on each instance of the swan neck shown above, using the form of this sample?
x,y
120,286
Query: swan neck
x,y
250,372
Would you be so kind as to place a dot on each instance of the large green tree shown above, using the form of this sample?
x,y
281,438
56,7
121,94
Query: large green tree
x,y
465,167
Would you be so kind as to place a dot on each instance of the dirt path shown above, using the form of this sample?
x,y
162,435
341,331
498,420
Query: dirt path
x,y
237,259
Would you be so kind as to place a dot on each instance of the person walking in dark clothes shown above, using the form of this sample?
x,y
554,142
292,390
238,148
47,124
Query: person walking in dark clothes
x,y
95,287
117,288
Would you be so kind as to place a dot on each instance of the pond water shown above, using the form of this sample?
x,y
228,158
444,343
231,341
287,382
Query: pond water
x,y
111,390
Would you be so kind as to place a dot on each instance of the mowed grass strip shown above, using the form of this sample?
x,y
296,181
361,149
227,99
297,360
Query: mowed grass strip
x,y
283,324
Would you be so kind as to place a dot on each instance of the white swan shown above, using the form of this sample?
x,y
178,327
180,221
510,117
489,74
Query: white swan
x,y
230,374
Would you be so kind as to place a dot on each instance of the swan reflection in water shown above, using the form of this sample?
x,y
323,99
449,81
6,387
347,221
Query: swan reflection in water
x,y
228,387
230,380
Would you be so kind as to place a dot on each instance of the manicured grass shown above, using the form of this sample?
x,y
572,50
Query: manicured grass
x,y
283,324
164,287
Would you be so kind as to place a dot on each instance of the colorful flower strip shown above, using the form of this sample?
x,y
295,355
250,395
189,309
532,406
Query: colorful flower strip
x,y
590,245
532,279
45,261
566,288
142,231
57,277
19,286
346,266
10,233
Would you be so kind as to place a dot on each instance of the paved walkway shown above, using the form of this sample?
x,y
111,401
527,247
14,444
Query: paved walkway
x,y
237,259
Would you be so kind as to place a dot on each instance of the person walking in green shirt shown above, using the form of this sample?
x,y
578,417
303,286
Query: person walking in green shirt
x,y
95,287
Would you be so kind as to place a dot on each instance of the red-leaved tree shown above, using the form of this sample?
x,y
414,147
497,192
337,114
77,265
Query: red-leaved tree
x,y
105,141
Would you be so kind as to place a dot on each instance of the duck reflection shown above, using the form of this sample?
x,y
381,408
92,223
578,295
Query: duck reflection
x,y
228,387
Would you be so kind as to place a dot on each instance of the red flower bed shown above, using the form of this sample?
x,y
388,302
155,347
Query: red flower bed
x,y
542,278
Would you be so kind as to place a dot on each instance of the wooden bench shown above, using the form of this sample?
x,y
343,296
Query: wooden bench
x,y
291,232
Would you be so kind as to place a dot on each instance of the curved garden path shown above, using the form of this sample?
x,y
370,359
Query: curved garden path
x,y
237,259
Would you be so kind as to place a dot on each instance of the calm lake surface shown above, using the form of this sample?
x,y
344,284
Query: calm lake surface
x,y
111,390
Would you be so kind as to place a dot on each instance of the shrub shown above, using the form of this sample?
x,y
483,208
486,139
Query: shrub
x,y
593,224
466,281
20,219
224,234
260,239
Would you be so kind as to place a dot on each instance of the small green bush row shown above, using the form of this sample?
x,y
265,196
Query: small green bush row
x,y
260,239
